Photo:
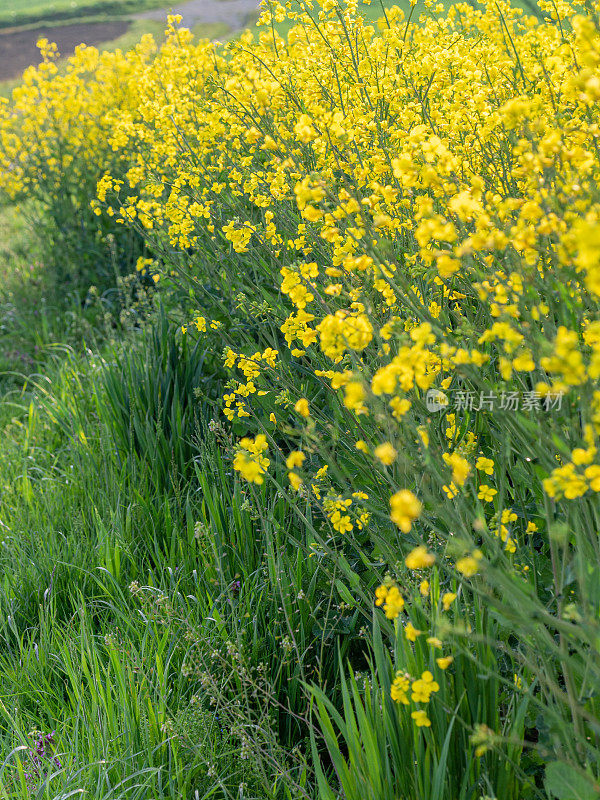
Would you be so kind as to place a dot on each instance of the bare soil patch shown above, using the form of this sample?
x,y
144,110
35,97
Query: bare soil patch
x,y
18,50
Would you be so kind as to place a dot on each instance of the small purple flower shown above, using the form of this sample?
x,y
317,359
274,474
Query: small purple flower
x,y
41,757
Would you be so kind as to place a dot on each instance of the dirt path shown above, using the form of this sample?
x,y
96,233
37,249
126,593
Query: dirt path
x,y
232,12
18,50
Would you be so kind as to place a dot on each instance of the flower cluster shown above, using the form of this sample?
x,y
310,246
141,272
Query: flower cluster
x,y
421,690
250,461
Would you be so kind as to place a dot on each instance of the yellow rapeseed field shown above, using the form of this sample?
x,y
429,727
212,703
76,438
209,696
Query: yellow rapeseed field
x,y
409,213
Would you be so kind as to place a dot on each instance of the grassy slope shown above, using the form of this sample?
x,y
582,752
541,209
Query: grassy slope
x,y
78,526
16,12
27,324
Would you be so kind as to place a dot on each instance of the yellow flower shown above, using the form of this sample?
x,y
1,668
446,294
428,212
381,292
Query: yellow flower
x,y
380,594
251,469
419,558
583,456
592,473
399,407
421,719
239,237
460,467
524,362
434,642
386,453
424,588
341,522
394,603
400,687
508,515
362,446
354,395
468,565
301,407
295,459
450,491
405,508
518,681
444,661
411,632
486,493
483,737
485,465
391,600
423,688
249,461
295,480
256,445
447,599
142,263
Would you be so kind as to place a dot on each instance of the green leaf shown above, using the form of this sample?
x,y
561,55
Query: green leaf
x,y
344,593
565,783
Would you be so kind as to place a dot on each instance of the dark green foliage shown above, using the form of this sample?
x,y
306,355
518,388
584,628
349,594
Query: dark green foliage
x,y
156,401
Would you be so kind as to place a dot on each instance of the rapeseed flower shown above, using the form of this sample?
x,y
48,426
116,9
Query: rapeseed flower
x,y
419,558
302,408
421,719
486,493
424,687
411,632
447,599
391,600
400,688
405,508
386,453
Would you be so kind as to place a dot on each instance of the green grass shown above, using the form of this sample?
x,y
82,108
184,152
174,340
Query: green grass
x,y
83,515
15,12
75,655
32,317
